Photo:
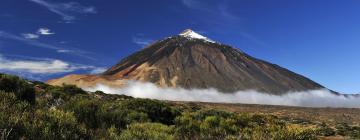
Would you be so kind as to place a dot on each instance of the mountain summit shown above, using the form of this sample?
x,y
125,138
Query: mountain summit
x,y
188,33
190,60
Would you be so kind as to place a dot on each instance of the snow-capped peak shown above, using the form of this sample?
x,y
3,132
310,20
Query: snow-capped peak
x,y
188,33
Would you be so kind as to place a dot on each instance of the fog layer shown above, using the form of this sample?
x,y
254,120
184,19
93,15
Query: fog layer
x,y
312,98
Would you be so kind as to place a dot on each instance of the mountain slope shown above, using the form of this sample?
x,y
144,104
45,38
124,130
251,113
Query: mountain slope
x,y
190,60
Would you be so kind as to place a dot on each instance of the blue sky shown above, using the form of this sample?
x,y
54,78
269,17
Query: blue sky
x,y
43,39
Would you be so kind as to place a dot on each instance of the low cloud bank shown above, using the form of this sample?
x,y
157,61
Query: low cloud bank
x,y
312,98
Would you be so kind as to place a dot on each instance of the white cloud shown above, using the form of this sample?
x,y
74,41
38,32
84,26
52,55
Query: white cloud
x,y
30,36
27,41
37,67
143,42
37,43
67,11
312,98
41,66
63,51
45,31
98,70
252,39
41,31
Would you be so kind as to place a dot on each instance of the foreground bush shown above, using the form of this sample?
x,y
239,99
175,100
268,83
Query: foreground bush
x,y
211,124
53,124
12,112
157,111
207,125
144,131
20,120
23,90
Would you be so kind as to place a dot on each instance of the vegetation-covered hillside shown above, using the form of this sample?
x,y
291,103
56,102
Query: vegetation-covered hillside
x,y
34,110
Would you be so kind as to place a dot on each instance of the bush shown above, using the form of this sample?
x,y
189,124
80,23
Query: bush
x,y
72,90
53,124
21,88
12,112
346,130
207,125
275,132
147,131
120,118
294,134
325,130
157,111
86,111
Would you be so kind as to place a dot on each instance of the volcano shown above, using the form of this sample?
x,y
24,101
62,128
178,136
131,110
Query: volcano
x,y
192,61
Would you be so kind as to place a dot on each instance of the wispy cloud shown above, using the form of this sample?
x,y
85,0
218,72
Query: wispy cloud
x,y
253,39
29,66
141,41
28,41
217,12
220,15
38,67
225,12
63,51
98,70
41,31
30,36
195,4
45,31
37,43
67,11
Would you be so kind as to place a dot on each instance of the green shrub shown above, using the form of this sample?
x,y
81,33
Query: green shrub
x,y
209,124
21,88
344,129
275,132
119,117
85,110
295,134
72,89
53,124
147,131
12,113
187,126
157,111
325,130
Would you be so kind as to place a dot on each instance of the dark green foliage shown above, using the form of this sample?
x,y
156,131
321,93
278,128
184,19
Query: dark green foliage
x,y
85,111
157,111
22,121
53,124
99,92
144,131
23,90
12,111
209,124
72,90
346,130
325,130
112,114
